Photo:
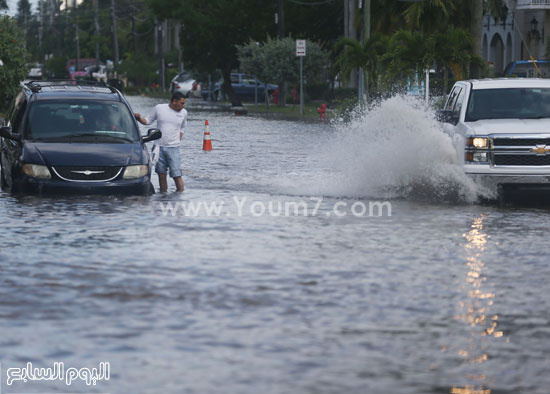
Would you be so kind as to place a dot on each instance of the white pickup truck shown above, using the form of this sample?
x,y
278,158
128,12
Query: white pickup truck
x,y
501,130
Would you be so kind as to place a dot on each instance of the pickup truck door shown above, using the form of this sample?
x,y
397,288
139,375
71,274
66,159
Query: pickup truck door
x,y
457,100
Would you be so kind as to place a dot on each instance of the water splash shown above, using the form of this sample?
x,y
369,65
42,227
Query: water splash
x,y
396,149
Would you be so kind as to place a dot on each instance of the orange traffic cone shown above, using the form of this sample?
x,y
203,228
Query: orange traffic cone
x,y
207,142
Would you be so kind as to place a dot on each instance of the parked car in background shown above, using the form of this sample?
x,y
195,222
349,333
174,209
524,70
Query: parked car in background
x,y
79,71
97,73
185,84
245,87
36,71
526,69
211,91
69,136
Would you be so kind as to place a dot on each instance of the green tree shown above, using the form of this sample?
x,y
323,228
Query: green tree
x,y
275,60
12,54
425,15
409,54
350,54
23,14
213,29
454,52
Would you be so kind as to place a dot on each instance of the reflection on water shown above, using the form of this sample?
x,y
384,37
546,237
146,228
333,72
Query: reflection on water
x,y
476,310
301,304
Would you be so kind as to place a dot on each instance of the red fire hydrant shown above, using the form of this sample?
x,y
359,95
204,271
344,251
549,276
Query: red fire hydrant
x,y
322,111
276,96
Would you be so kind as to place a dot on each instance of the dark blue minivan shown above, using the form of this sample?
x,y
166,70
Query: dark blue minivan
x,y
67,136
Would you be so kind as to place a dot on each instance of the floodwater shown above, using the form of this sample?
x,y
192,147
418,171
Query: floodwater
x,y
302,258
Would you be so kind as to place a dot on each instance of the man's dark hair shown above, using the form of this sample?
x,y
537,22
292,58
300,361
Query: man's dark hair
x,y
177,96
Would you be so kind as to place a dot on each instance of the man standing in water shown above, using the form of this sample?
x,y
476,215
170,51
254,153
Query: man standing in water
x,y
171,120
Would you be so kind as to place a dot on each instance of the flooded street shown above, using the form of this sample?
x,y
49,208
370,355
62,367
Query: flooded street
x,y
301,258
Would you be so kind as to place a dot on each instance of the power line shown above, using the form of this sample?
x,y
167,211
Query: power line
x,y
316,3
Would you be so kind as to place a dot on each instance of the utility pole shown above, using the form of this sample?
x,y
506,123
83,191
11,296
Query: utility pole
x,y
96,23
160,54
134,35
115,37
41,7
77,42
281,20
281,32
177,44
365,35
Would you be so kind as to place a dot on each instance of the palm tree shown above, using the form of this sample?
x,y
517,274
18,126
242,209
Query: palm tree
x,y
454,52
350,54
428,15
409,54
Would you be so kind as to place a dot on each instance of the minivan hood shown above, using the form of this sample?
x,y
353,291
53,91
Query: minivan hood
x,y
83,154
509,126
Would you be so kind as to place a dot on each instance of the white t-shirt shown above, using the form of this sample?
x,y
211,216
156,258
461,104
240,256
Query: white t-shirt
x,y
170,122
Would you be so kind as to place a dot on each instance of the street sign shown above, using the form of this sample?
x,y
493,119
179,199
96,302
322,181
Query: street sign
x,y
300,47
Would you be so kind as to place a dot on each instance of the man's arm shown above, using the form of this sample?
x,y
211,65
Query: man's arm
x,y
183,124
140,119
146,120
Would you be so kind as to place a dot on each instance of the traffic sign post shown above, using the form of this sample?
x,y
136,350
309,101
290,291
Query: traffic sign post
x,y
301,52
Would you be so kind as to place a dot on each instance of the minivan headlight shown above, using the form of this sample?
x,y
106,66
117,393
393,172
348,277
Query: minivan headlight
x,y
37,171
134,172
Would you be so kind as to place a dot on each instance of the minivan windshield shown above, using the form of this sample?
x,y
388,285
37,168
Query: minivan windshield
x,y
80,120
509,103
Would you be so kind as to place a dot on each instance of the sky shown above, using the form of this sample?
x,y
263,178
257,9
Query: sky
x,y
13,6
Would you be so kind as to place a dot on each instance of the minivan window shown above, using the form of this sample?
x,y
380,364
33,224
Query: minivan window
x,y
510,103
99,121
16,111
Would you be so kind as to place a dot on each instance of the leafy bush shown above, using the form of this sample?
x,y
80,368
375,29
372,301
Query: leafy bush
x,y
140,69
56,67
275,60
318,91
12,53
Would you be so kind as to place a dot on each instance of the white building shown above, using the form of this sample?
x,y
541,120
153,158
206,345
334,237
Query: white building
x,y
523,33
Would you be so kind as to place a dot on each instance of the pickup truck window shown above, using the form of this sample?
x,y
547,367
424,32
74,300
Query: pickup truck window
x,y
510,103
452,98
458,102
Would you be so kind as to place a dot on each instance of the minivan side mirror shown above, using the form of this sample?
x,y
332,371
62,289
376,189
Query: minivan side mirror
x,y
152,134
5,132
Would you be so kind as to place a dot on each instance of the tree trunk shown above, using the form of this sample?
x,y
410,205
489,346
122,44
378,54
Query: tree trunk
x,y
235,101
476,30
266,95
352,33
